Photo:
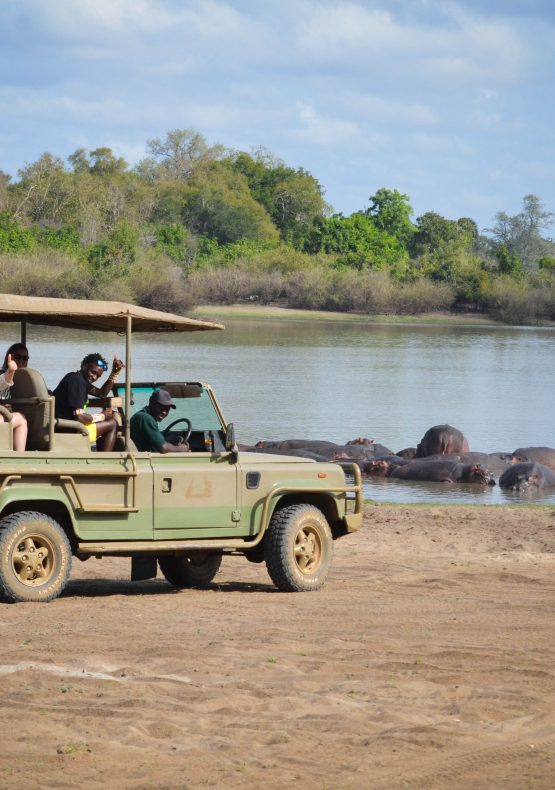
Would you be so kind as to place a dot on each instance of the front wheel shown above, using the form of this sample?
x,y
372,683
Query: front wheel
x,y
35,557
298,548
196,569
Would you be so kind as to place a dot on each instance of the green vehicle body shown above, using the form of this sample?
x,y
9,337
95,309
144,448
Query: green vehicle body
x,y
188,507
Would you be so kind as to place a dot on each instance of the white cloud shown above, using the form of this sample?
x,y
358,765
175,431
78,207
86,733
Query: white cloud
x,y
459,43
320,130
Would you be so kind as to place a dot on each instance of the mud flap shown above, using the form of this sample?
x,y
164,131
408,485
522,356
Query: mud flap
x,y
143,568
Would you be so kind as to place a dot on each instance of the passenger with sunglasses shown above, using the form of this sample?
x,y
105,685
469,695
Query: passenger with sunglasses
x,y
20,355
16,357
72,393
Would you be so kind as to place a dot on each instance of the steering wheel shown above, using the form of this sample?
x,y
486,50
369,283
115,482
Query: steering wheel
x,y
188,423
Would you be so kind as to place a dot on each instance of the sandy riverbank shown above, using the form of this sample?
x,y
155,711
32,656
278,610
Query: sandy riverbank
x,y
261,312
427,661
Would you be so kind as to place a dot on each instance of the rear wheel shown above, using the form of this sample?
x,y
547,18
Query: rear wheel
x,y
298,548
196,569
35,557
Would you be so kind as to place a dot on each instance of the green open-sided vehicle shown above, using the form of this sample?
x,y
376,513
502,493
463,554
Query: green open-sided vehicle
x,y
177,511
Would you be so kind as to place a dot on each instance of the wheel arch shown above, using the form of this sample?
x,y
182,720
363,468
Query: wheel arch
x,y
54,508
325,502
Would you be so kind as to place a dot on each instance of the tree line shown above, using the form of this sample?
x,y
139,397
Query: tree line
x,y
195,223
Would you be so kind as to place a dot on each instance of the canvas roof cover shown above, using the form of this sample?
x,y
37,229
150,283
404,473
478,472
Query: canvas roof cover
x,y
91,314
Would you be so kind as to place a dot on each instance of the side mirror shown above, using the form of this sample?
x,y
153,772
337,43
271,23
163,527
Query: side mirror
x,y
230,437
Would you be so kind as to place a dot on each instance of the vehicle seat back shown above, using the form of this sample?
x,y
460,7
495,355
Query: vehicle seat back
x,y
30,396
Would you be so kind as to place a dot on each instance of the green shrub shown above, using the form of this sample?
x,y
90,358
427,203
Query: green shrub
x,y
64,239
14,238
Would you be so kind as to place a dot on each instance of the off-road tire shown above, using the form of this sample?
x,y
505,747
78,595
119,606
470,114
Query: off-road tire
x,y
35,557
196,569
298,548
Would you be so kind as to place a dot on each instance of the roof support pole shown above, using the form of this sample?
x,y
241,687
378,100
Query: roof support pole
x,y
24,332
128,332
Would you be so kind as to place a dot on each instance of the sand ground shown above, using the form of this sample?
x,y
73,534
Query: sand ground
x,y
427,661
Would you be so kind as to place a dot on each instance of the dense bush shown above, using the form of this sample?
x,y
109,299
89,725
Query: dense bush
x,y
520,303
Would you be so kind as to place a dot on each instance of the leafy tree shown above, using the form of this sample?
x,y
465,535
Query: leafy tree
x,y
464,272
391,212
117,252
435,234
172,240
79,161
521,233
509,263
358,243
43,192
293,198
104,162
218,204
176,156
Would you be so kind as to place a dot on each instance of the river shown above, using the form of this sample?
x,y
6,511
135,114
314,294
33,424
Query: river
x,y
318,379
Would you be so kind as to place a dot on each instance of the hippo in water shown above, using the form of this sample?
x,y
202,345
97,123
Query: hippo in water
x,y
443,471
543,455
441,439
527,476
496,463
382,465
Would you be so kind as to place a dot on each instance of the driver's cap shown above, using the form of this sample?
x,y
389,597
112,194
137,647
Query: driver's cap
x,y
163,398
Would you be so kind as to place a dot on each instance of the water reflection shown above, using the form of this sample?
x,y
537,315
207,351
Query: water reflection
x,y
280,379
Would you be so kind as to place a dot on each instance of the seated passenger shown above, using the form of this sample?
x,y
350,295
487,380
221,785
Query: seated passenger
x,y
72,393
144,429
18,421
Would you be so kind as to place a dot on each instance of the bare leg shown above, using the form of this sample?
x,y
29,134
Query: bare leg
x,y
19,431
106,433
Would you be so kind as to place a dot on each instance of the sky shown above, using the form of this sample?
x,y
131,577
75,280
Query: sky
x,y
452,103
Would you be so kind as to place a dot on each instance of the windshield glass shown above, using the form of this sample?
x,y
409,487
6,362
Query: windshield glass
x,y
192,401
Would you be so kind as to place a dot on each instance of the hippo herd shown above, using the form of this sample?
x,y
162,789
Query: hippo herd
x,y
442,455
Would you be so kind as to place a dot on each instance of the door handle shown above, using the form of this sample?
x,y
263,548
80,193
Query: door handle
x,y
166,485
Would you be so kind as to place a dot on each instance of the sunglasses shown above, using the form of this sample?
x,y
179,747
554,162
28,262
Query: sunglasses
x,y
21,357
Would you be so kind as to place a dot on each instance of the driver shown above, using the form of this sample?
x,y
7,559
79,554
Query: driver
x,y
144,428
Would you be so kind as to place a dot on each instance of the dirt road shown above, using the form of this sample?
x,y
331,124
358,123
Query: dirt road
x,y
427,661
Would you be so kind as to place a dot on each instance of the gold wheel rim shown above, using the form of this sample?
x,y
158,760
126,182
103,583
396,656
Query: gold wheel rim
x,y
33,560
308,550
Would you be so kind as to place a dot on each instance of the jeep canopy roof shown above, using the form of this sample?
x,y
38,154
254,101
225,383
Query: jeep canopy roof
x,y
96,315
90,314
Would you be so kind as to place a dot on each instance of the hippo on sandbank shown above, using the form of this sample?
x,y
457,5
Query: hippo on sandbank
x,y
441,440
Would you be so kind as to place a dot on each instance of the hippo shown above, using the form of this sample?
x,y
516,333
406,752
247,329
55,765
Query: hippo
x,y
543,455
527,476
443,471
496,463
408,452
356,452
382,466
441,439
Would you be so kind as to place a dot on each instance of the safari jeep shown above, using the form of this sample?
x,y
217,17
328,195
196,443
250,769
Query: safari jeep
x,y
180,512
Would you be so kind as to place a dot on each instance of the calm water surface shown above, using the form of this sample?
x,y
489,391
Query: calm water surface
x,y
329,380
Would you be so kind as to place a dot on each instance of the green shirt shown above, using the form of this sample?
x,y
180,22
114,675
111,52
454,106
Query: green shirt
x,y
145,432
